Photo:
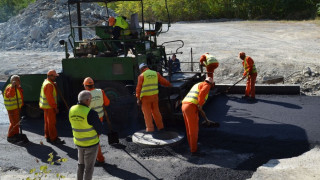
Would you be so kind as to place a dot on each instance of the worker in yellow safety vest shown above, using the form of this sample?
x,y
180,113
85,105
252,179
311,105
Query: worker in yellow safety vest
x,y
13,101
147,96
86,128
99,99
48,102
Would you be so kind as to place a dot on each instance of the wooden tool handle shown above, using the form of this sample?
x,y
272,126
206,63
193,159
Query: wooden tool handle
x,y
107,118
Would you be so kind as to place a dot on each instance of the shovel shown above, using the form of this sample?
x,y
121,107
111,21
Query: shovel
x,y
23,138
113,137
207,123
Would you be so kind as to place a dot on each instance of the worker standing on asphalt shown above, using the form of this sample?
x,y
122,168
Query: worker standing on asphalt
x,y
99,99
12,93
147,96
86,128
48,102
210,63
191,105
250,71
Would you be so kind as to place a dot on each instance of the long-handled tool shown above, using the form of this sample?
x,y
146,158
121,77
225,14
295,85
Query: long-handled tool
x,y
60,94
228,89
207,123
113,137
22,137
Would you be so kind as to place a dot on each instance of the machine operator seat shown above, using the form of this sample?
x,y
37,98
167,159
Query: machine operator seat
x,y
156,30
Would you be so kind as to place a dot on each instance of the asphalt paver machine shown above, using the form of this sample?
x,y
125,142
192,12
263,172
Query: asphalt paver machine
x,y
92,51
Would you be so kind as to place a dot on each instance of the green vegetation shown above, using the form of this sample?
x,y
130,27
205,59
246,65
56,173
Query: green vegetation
x,y
189,10
44,171
9,8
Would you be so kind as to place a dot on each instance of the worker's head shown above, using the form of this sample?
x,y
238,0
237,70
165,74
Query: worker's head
x,y
52,75
15,79
84,97
88,83
242,55
209,80
174,57
111,21
142,66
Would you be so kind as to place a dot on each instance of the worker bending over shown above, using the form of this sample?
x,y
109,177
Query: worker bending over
x,y
98,101
13,101
147,96
48,102
86,128
210,63
191,105
250,71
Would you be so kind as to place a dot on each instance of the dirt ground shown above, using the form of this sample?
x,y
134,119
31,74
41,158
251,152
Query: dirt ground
x,y
279,48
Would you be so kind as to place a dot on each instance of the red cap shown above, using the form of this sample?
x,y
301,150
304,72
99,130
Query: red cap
x,y
111,20
52,73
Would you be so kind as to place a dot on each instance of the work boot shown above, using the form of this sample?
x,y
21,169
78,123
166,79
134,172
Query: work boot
x,y
198,154
252,99
58,141
99,163
245,97
13,139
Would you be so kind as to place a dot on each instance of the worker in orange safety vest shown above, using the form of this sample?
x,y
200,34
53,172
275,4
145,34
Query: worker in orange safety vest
x,y
12,93
147,96
251,72
191,105
48,102
210,63
99,99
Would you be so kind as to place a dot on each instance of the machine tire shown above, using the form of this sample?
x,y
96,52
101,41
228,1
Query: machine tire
x,y
123,110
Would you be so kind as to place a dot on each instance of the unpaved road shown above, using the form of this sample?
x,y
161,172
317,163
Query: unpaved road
x,y
284,48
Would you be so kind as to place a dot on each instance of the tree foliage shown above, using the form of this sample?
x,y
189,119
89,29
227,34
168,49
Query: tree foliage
x,y
189,10
9,8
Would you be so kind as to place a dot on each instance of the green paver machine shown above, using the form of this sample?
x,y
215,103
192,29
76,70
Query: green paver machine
x,y
113,65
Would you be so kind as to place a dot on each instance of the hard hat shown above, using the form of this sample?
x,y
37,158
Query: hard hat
x,y
111,20
209,80
142,65
52,73
88,81
242,54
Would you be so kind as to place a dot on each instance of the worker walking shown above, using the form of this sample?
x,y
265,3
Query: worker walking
x,y
48,102
99,99
147,96
251,72
191,105
86,128
13,101
210,63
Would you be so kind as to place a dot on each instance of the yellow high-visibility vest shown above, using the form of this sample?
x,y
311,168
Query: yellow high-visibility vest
x,y
97,101
193,94
11,103
210,59
84,134
120,22
246,68
43,102
150,83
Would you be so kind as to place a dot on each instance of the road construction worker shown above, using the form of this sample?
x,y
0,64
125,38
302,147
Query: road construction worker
x,y
210,63
13,93
147,96
86,128
191,105
48,102
174,63
251,72
120,26
99,99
